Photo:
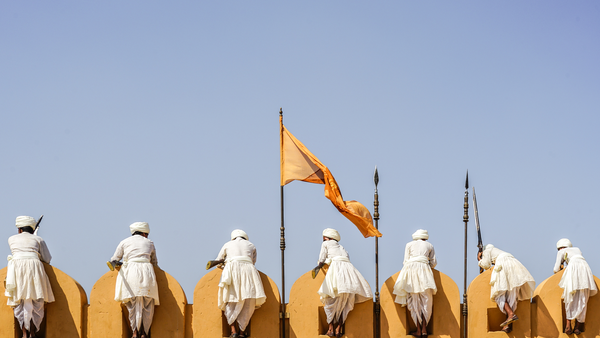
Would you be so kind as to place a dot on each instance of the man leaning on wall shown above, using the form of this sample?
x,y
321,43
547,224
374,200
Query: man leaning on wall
x,y
27,285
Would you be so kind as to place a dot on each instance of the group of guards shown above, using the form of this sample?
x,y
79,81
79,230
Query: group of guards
x,y
241,290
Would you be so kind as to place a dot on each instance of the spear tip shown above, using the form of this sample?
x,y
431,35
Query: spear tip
x,y
376,177
467,181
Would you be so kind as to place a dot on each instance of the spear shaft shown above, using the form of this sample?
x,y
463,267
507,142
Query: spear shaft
x,y
377,308
466,221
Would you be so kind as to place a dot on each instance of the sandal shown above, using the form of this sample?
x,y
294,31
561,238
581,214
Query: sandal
x,y
330,334
507,329
577,331
510,320
414,334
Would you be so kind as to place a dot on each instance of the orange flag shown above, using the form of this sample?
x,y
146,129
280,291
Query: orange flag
x,y
298,163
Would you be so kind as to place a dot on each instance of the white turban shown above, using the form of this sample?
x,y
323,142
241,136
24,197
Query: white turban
x,y
420,234
238,233
488,247
139,226
563,243
332,233
26,221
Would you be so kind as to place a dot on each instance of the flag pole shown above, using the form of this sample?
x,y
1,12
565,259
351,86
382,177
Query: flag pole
x,y
466,220
376,306
282,314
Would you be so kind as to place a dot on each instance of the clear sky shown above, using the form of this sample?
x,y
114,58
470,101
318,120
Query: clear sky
x,y
167,112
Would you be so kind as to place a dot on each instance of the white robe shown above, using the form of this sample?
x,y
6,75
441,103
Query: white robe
x,y
577,282
415,285
26,277
343,285
136,284
511,281
27,285
240,288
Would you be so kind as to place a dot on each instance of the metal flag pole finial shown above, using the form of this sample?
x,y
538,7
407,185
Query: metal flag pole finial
x,y
465,220
376,306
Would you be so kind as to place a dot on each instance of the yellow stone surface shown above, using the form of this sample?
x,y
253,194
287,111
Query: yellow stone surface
x,y
108,318
307,317
548,311
484,316
65,317
209,322
396,321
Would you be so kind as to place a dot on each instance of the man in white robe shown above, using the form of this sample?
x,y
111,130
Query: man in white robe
x,y
577,282
415,285
240,288
136,285
27,285
343,285
511,282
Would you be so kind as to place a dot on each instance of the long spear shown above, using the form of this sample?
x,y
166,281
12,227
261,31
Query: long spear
x,y
377,308
466,220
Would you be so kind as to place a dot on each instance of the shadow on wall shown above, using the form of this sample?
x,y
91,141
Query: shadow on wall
x,y
65,317
108,318
209,322
396,321
548,311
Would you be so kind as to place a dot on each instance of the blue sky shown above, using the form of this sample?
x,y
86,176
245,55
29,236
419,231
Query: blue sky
x,y
115,112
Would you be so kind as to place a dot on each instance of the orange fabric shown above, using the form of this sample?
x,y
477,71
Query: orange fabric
x,y
298,163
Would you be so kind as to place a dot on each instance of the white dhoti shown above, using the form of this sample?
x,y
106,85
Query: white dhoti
x,y
136,287
240,290
30,310
578,285
240,312
511,282
141,312
415,288
507,297
342,288
420,305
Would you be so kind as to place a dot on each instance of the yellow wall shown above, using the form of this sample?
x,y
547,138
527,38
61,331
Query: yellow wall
x,y
108,318
209,322
307,317
65,317
484,316
396,321
548,315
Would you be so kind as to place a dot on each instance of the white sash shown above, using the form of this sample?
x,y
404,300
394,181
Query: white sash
x,y
226,275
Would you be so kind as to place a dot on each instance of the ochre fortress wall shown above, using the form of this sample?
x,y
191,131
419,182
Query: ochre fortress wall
x,y
484,317
548,316
396,321
307,317
65,317
70,315
209,322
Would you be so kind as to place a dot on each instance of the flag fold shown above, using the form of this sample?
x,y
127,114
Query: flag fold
x,y
299,164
